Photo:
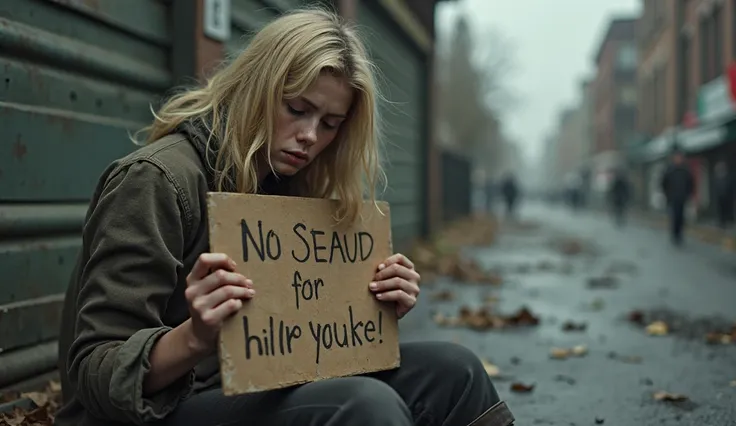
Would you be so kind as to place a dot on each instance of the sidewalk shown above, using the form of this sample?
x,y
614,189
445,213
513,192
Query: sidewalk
x,y
705,232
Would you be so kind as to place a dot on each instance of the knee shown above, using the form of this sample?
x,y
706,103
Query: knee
x,y
370,399
453,363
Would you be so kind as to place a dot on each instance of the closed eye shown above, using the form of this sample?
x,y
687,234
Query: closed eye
x,y
294,111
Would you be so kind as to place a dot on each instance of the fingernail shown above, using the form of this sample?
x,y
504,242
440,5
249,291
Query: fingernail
x,y
374,286
251,292
381,266
232,263
379,296
248,283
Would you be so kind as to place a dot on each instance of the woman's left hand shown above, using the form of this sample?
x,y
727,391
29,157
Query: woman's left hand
x,y
397,281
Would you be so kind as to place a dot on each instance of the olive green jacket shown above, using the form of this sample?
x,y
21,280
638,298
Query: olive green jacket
x,y
145,227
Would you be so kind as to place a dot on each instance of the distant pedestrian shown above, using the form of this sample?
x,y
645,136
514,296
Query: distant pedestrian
x,y
620,193
725,191
510,190
678,185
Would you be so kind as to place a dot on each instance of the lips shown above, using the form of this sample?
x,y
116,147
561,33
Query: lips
x,y
296,158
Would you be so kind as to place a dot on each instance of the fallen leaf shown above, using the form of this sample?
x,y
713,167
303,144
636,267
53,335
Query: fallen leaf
x,y
444,295
658,328
733,383
521,387
670,397
484,319
39,398
628,359
603,282
567,379
719,338
637,317
599,421
572,326
564,353
491,370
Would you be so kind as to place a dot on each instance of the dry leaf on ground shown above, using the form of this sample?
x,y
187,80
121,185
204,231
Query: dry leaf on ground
x,y
521,387
628,359
733,383
485,319
573,326
564,353
444,295
491,370
658,328
47,402
670,397
605,281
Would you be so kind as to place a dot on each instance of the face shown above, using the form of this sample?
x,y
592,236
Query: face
x,y
306,125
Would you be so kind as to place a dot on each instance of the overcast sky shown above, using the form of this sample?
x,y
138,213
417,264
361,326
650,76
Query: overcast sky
x,y
555,42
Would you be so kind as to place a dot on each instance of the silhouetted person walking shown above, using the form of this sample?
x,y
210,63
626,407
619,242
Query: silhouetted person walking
x,y
725,191
620,192
677,185
510,190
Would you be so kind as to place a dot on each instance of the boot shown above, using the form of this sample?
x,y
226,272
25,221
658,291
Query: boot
x,y
498,415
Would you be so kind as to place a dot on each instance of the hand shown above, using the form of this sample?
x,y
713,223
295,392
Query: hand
x,y
397,281
214,292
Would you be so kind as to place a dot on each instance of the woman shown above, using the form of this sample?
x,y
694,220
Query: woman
x,y
294,114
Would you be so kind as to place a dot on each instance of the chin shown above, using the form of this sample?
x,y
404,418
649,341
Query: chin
x,y
285,169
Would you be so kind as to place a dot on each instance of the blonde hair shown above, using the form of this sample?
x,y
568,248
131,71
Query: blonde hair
x,y
281,61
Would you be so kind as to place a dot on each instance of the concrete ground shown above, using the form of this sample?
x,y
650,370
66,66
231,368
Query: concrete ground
x,y
691,289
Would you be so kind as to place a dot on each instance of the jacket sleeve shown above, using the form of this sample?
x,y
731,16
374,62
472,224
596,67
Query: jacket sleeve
x,y
135,237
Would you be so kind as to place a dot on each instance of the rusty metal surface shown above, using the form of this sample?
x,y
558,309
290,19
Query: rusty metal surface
x,y
74,55
76,78
56,155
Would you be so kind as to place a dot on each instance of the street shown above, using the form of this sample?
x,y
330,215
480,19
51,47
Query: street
x,y
595,289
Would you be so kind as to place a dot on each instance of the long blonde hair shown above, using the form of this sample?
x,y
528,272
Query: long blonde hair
x,y
241,99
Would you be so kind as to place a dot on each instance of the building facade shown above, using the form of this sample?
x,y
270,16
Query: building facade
x,y
687,78
615,87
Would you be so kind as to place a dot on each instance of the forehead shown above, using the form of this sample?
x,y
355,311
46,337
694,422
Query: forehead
x,y
329,93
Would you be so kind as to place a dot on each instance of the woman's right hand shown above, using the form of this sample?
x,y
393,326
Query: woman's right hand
x,y
214,292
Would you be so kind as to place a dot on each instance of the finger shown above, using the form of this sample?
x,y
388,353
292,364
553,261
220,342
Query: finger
x,y
395,283
397,270
221,312
207,262
221,295
396,258
398,296
214,280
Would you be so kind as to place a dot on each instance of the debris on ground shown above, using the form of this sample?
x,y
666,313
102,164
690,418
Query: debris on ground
x,y
733,383
570,326
599,421
669,397
565,353
570,247
563,378
657,328
484,319
628,359
521,387
622,267
713,330
443,296
45,404
491,369
605,281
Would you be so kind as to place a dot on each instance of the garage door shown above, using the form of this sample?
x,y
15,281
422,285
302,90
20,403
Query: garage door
x,y
75,78
403,82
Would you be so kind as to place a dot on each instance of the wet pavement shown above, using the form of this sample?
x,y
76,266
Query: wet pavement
x,y
691,289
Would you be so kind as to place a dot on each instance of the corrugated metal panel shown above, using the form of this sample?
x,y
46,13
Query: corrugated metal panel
x,y
403,81
75,77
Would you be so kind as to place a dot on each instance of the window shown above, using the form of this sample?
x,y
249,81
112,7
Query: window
x,y
627,57
685,75
704,35
718,35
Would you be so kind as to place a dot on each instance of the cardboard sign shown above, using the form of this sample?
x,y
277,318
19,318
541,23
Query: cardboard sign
x,y
313,316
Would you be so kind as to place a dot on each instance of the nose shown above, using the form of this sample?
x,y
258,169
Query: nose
x,y
308,133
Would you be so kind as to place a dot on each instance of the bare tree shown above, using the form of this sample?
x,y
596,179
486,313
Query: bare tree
x,y
473,92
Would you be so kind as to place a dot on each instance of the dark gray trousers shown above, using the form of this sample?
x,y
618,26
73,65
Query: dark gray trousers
x,y
437,384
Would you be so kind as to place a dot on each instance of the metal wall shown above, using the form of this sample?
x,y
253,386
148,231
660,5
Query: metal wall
x,y
75,78
403,81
